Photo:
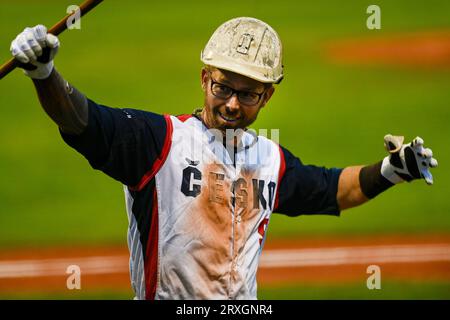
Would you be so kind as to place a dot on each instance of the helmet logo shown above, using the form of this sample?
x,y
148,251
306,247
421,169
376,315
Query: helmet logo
x,y
244,43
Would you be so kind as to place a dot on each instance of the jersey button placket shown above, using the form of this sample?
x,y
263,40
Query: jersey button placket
x,y
235,220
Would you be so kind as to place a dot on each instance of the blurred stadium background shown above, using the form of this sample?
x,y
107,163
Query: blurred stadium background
x,y
337,101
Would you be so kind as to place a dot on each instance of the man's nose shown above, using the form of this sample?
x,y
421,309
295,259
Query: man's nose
x,y
233,103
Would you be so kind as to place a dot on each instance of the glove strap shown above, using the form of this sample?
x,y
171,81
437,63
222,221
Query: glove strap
x,y
388,171
371,180
42,71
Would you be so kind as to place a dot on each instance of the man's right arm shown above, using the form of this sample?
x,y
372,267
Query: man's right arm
x,y
67,107
35,49
123,143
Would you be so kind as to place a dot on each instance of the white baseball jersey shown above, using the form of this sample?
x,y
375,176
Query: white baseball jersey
x,y
198,212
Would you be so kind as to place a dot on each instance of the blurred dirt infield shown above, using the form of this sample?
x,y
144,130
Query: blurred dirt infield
x,y
420,49
324,260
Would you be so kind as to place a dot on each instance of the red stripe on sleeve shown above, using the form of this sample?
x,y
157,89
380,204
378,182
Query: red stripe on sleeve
x,y
280,175
161,159
151,253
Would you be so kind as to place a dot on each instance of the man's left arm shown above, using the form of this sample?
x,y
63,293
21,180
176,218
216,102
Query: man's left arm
x,y
405,162
349,192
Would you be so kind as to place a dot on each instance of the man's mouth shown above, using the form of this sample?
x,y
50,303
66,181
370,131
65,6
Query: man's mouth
x,y
228,119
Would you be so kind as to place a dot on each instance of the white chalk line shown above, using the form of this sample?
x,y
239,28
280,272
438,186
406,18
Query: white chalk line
x,y
307,257
58,267
355,255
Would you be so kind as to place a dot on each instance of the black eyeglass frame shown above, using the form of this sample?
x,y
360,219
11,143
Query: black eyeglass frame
x,y
233,91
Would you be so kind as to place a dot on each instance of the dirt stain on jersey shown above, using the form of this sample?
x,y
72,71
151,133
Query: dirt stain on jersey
x,y
246,216
210,224
222,236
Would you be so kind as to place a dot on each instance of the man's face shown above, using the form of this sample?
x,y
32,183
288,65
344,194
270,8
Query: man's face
x,y
232,101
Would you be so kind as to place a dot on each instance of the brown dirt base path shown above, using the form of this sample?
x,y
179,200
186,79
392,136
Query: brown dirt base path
x,y
311,260
425,50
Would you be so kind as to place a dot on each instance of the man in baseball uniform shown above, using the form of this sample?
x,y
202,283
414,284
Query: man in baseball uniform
x,y
200,188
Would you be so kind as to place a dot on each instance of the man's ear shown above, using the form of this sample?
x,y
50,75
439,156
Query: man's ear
x,y
204,78
267,96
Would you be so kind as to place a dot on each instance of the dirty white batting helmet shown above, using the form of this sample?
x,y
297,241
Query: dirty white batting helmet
x,y
246,46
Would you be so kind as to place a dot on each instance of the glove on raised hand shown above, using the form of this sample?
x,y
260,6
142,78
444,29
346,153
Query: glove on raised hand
x,y
35,49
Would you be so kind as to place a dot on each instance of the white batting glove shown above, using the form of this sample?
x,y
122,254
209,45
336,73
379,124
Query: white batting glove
x,y
407,162
35,49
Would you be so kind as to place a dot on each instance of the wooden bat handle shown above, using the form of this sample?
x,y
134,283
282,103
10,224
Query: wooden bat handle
x,y
58,28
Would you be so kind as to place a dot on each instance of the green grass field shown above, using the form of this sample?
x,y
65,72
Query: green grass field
x,y
390,290
145,54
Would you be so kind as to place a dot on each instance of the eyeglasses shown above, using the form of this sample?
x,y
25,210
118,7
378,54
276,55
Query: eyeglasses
x,y
224,92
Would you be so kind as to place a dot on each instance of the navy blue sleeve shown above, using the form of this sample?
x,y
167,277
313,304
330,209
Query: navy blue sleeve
x,y
307,189
123,143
